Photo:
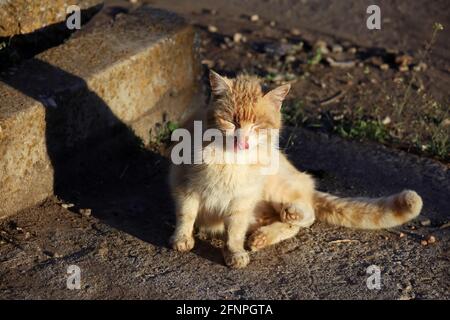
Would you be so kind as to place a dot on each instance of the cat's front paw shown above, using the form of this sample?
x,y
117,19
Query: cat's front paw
x,y
182,243
236,260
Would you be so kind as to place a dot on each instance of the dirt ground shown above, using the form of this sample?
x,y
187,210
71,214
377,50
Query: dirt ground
x,y
121,245
381,85
113,217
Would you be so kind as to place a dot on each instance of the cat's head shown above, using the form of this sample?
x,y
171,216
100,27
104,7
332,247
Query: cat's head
x,y
241,108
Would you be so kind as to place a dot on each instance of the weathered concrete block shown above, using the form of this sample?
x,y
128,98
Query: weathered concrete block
x,y
120,76
25,16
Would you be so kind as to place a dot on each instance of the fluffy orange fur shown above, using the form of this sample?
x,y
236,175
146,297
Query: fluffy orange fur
x,y
262,209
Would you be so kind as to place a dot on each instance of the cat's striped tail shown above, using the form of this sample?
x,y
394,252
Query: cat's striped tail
x,y
366,213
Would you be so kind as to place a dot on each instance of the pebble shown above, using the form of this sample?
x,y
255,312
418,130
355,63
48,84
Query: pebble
x,y
322,45
237,37
272,23
403,68
420,67
290,59
279,49
386,120
352,50
431,239
425,222
424,242
295,32
401,235
67,205
209,11
384,66
212,28
336,48
403,60
86,212
254,18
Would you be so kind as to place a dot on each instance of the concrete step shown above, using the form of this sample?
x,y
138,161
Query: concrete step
x,y
111,82
25,16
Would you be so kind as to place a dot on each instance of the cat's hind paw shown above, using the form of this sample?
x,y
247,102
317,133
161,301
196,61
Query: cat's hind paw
x,y
290,213
297,214
257,241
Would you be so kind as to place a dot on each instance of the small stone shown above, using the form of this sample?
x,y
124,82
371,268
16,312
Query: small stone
x,y
420,67
336,48
295,32
424,242
272,23
212,28
237,37
386,120
403,60
431,239
425,222
384,66
445,123
401,235
352,50
67,205
254,18
86,212
403,68
209,11
290,59
322,45
103,251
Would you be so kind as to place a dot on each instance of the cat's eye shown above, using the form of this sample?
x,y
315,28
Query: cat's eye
x,y
227,125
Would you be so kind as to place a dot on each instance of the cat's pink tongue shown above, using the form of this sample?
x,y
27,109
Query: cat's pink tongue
x,y
241,145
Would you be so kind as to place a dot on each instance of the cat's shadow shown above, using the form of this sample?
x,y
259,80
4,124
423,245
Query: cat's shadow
x,y
123,183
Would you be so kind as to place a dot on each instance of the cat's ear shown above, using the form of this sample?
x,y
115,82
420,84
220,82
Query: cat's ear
x,y
219,84
277,95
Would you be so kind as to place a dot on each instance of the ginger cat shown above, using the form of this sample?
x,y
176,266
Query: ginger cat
x,y
237,200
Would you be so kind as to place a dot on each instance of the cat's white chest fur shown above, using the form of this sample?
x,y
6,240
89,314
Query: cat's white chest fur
x,y
227,184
